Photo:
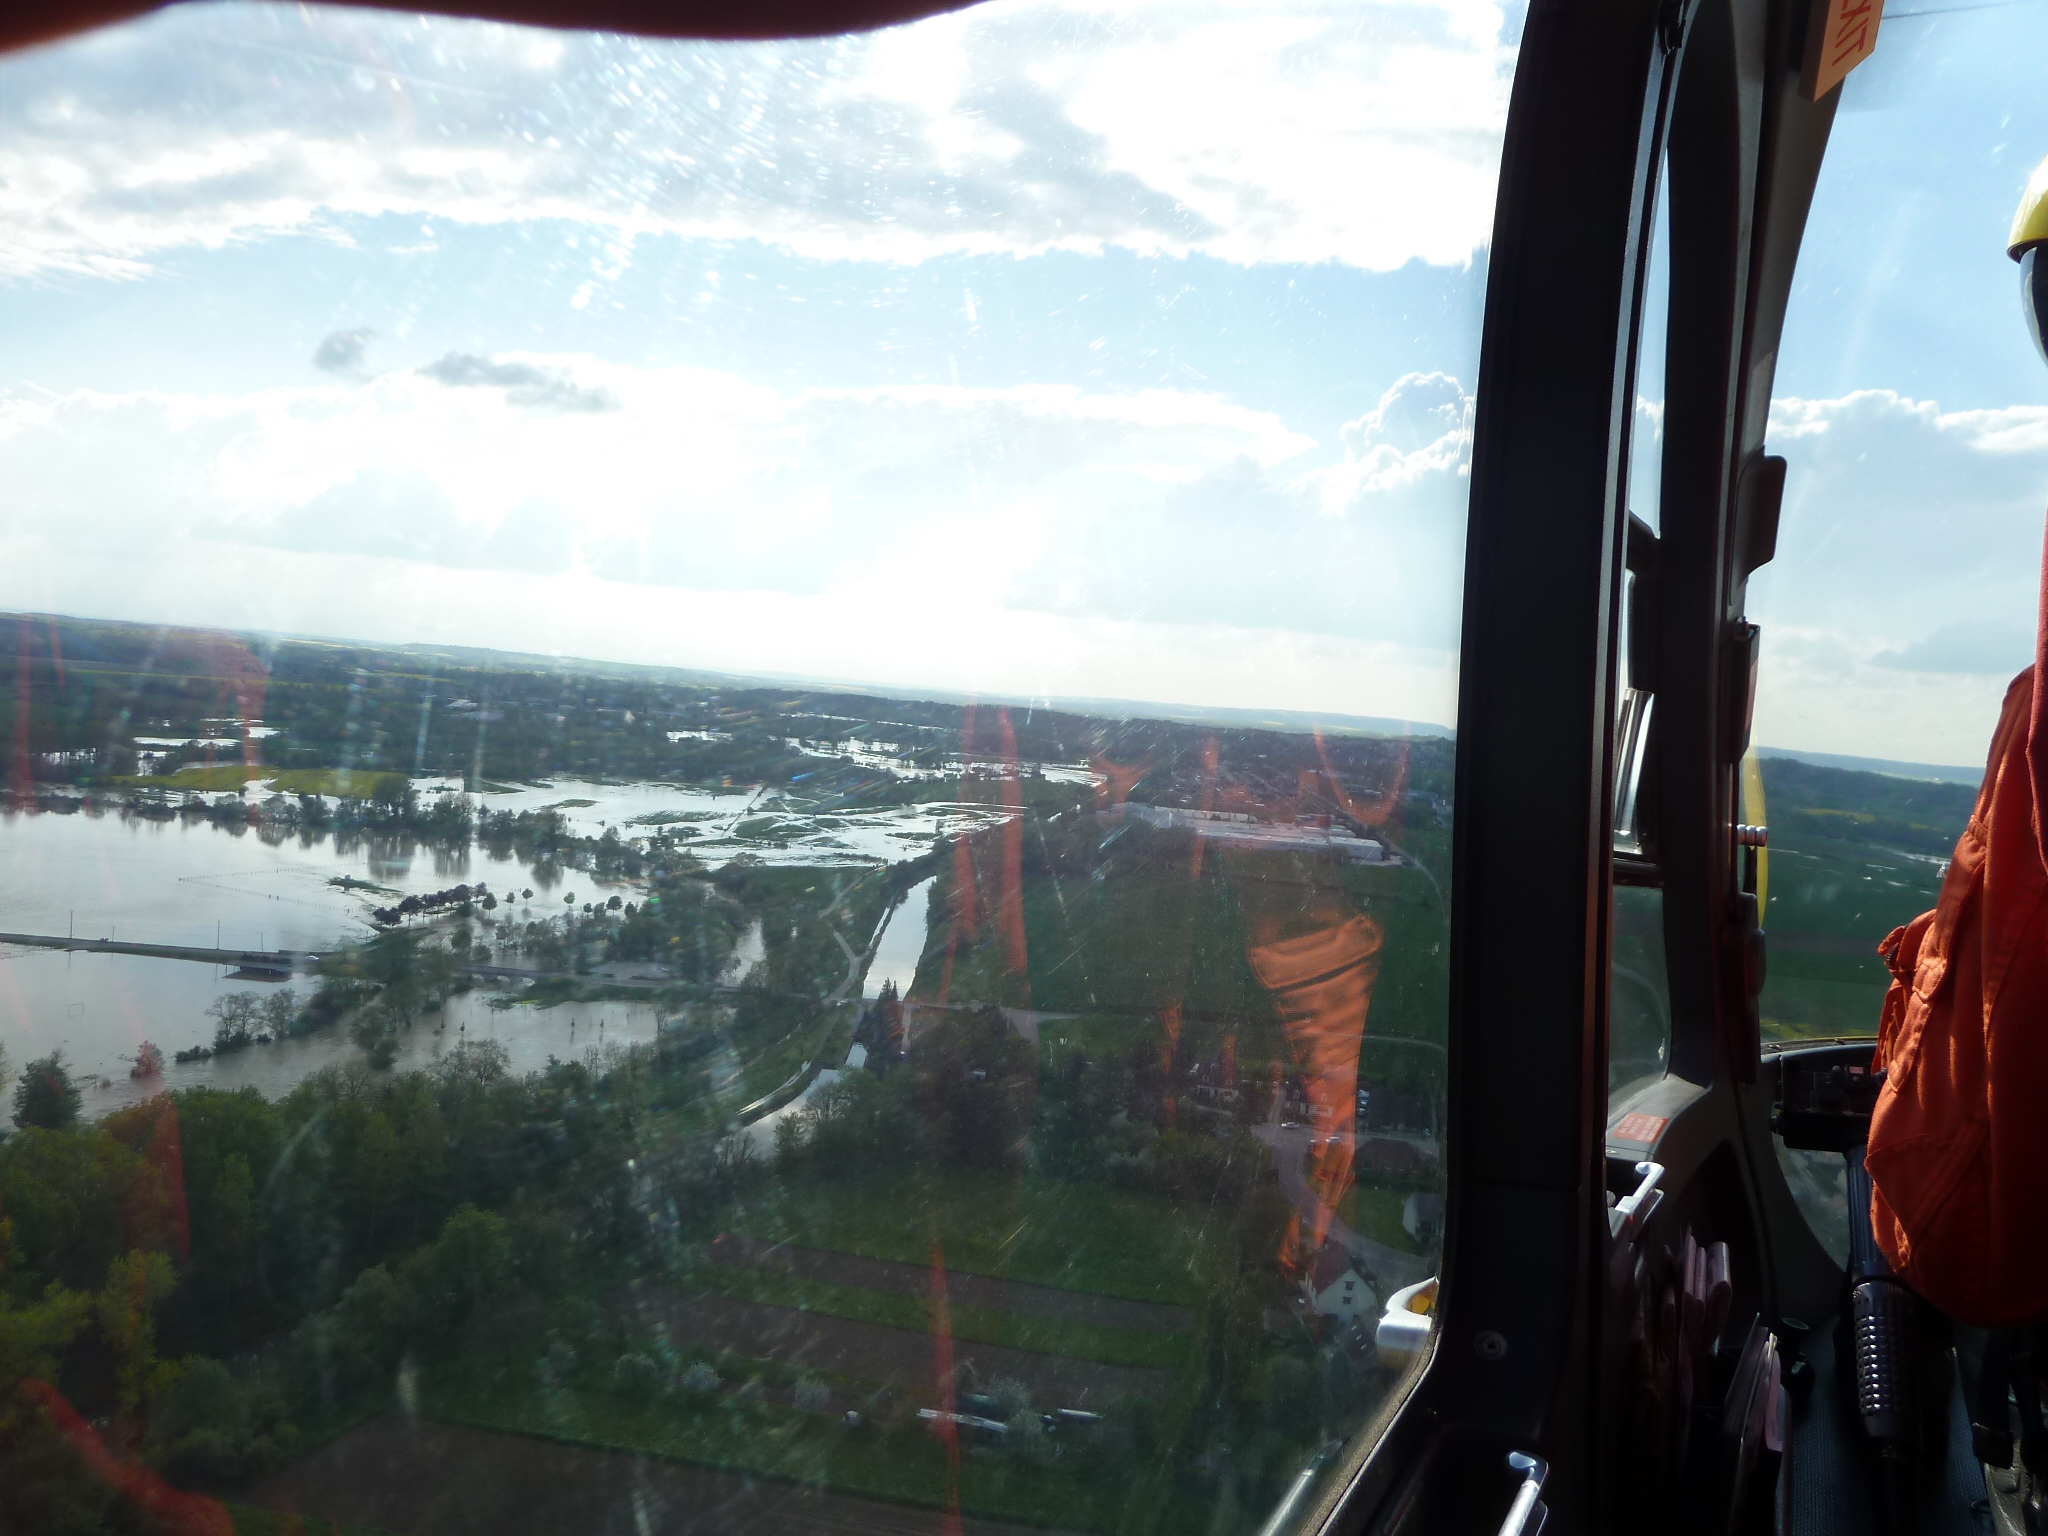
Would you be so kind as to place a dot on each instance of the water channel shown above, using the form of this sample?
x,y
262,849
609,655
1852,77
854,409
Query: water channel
x,y
905,931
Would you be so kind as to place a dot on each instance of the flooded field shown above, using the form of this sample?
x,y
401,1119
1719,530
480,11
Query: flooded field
x,y
99,1009
113,876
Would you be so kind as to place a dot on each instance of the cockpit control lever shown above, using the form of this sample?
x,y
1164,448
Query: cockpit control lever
x,y
1527,1514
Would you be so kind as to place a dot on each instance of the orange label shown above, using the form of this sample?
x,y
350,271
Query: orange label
x,y
1642,1129
1841,35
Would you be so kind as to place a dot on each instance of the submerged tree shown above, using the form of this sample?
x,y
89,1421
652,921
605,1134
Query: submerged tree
x,y
46,1097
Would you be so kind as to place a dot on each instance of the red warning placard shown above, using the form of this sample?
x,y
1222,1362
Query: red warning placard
x,y
1841,35
1640,1129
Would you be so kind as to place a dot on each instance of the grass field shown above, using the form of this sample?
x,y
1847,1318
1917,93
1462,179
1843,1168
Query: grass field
x,y
1831,902
1077,1341
900,1462
1152,935
1377,1214
776,1036
1024,1227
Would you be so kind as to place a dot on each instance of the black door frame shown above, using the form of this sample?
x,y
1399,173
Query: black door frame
x,y
1515,1363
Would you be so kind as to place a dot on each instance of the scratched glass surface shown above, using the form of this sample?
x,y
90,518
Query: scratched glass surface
x,y
729,765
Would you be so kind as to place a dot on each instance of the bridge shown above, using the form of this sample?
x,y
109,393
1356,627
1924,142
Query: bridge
x,y
281,964
271,963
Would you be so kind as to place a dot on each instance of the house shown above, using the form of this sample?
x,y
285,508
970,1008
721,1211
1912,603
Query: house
x,y
1334,1287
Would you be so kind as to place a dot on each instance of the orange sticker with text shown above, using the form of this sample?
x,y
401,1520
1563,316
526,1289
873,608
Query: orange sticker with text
x,y
1841,35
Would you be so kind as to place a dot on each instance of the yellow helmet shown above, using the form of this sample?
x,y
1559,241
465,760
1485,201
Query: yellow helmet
x,y
2028,238
2030,224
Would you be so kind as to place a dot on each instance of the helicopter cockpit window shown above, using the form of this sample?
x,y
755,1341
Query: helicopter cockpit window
x,y
1909,405
730,765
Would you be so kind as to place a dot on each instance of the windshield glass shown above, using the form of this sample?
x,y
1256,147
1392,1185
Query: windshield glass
x,y
729,765
1910,406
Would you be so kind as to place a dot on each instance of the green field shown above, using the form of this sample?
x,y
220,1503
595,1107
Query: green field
x,y
899,1462
1078,1341
1079,1237
1853,856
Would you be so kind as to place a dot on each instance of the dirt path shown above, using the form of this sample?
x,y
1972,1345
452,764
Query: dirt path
x,y
843,1346
424,1479
963,1288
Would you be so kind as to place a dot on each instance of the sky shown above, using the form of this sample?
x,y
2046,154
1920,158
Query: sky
x,y
1053,350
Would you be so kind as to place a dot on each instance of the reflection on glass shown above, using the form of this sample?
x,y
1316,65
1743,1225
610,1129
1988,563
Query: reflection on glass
x,y
1646,432
1639,999
714,992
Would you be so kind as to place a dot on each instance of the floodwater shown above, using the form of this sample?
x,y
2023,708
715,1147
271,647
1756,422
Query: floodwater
x,y
99,1008
109,876
106,875
718,825
748,951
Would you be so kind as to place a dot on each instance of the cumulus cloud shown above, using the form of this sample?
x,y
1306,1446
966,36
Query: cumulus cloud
x,y
1903,595
1365,134
341,351
1901,517
523,383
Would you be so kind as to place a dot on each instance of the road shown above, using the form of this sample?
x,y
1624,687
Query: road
x,y
282,963
278,961
1290,1145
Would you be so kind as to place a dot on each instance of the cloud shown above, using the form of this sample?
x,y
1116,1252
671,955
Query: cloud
x,y
523,383
1151,506
400,516
535,536
1901,517
1906,581
1369,546
341,351
1992,646
1368,135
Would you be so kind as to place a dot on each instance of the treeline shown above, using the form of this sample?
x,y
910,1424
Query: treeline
x,y
313,1241
1806,800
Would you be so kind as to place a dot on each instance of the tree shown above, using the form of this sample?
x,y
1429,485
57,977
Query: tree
x,y
125,1309
280,1011
235,1018
46,1097
975,1083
